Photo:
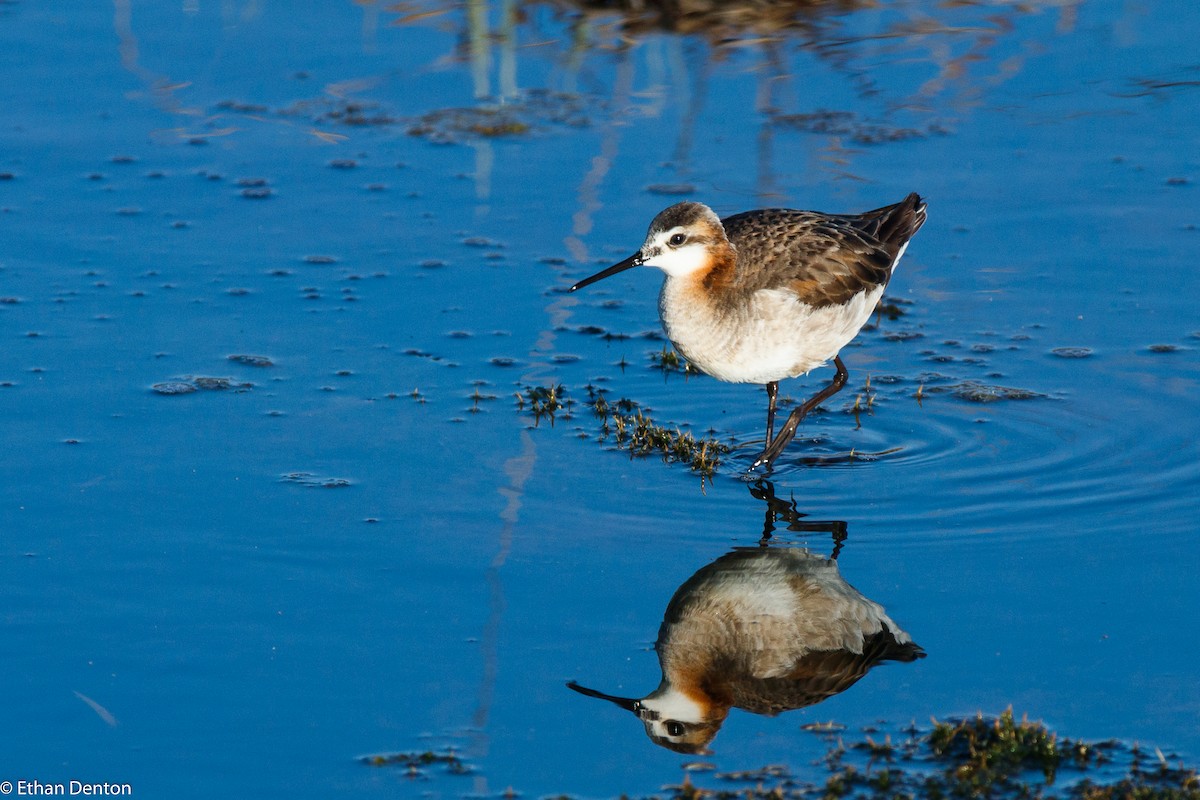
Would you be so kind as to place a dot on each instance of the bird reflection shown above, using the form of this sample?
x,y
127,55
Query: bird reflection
x,y
766,629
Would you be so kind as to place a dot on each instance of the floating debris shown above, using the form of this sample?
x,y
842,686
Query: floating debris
x,y
360,114
252,361
312,481
174,387
903,336
769,772
984,393
891,308
242,108
480,241
449,124
847,124
416,764
671,188
189,385
255,188
518,116
1072,352
219,384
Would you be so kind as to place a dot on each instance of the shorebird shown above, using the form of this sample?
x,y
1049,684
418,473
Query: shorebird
x,y
765,629
771,294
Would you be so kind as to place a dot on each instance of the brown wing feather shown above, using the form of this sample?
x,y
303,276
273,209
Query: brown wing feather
x,y
820,675
825,258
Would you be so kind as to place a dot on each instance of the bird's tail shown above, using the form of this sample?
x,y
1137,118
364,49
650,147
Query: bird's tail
x,y
894,225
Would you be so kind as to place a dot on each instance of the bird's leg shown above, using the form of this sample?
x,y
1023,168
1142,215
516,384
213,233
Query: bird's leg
x,y
788,431
772,393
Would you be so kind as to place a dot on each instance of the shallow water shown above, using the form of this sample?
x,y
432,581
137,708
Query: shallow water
x,y
251,583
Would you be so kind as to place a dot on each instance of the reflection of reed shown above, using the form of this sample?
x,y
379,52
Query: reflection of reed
x,y
479,45
508,50
161,88
370,26
721,20
697,94
588,193
957,40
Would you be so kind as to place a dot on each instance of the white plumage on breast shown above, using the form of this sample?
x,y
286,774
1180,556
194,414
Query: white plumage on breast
x,y
773,336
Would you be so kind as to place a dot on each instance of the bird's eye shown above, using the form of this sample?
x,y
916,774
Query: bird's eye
x,y
677,240
674,728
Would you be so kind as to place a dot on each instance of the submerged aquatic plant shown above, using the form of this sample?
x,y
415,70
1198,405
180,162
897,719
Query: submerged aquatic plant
x,y
632,429
626,424
417,764
981,757
670,361
544,401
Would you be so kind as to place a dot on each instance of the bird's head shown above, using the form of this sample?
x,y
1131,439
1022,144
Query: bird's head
x,y
682,240
672,718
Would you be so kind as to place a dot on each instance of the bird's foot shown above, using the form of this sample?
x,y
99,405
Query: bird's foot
x,y
775,448
764,460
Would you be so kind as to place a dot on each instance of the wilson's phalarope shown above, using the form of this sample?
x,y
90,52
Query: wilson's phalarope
x,y
765,629
773,293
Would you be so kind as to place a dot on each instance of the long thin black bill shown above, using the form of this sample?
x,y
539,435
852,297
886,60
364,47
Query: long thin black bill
x,y
634,260
627,703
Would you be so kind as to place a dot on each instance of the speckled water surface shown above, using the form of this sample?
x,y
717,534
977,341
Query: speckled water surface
x,y
281,287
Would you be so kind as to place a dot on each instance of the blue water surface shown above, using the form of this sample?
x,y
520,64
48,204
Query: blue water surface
x,y
244,575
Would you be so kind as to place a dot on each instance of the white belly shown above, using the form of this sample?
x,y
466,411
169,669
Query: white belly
x,y
774,336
